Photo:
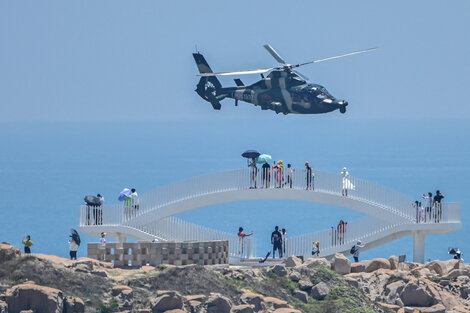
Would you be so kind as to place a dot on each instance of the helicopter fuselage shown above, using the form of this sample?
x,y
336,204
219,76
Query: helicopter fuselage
x,y
286,92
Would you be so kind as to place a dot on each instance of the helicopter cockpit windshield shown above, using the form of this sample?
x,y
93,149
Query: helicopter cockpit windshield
x,y
318,91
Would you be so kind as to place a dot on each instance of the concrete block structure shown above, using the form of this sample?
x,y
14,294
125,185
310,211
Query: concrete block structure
x,y
154,253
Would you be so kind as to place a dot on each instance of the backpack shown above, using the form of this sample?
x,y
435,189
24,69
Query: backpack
x,y
353,250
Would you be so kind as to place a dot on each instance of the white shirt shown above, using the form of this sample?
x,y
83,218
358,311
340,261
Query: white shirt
x,y
73,245
135,198
103,242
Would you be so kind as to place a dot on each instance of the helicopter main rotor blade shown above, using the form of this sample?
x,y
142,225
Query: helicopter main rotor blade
x,y
336,57
263,70
274,54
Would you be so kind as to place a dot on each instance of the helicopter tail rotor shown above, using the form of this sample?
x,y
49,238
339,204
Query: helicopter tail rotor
x,y
209,87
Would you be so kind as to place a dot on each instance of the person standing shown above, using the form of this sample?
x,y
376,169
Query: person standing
x,y
276,240
341,228
241,239
253,173
279,173
316,249
355,250
73,249
345,182
135,200
290,173
103,245
27,244
437,204
266,174
99,210
309,175
427,206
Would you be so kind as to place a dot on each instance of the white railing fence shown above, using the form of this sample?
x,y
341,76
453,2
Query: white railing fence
x,y
176,229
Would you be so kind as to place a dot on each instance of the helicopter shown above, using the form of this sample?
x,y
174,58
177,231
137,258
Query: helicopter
x,y
283,90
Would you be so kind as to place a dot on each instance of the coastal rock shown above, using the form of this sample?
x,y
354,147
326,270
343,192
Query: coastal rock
x,y
457,272
293,261
38,298
358,267
376,264
279,270
301,295
165,301
438,267
275,302
175,311
452,265
438,308
315,262
252,298
74,305
88,264
305,284
341,264
124,296
393,290
243,308
8,252
100,272
295,276
320,291
393,262
414,295
218,304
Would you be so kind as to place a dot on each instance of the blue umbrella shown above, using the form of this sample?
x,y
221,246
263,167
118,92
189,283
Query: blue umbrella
x,y
264,158
250,154
124,194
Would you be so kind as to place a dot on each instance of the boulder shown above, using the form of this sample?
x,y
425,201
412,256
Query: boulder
x,y
301,295
252,298
315,262
82,268
8,252
358,267
305,284
243,308
34,297
124,296
375,264
279,269
452,265
74,305
438,267
83,263
393,290
293,261
457,272
218,304
438,308
100,272
295,276
199,298
175,311
275,302
320,291
165,301
415,295
341,264
393,262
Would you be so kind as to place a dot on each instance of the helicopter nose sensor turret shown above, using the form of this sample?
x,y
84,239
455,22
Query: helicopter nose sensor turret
x,y
342,106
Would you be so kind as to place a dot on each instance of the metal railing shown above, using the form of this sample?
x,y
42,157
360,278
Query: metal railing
x,y
171,228
341,238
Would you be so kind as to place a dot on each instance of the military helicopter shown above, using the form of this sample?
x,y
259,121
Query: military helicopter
x,y
284,90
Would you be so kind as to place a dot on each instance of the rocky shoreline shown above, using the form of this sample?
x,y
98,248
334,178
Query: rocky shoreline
x,y
43,283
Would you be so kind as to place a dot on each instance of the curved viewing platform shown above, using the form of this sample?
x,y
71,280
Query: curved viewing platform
x,y
390,215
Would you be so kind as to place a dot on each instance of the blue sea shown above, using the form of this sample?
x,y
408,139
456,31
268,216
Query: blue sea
x,y
46,168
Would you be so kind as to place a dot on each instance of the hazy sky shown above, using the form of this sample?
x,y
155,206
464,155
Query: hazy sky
x,y
131,60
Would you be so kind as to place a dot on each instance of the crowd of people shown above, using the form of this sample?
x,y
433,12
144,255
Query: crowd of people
x,y
431,210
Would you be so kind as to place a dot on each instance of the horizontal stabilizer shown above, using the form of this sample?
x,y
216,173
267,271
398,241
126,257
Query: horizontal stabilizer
x,y
239,82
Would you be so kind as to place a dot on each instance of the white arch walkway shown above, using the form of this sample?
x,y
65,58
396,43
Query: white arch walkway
x,y
390,214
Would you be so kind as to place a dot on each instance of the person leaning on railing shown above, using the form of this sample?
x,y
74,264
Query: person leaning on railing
x,y
437,204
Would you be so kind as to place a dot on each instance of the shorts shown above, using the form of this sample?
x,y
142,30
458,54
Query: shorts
x,y
277,246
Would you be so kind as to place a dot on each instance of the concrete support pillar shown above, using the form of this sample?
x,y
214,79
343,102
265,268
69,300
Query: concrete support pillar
x,y
418,246
120,238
